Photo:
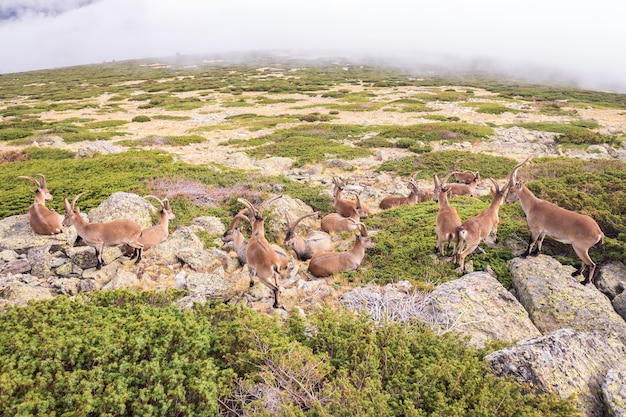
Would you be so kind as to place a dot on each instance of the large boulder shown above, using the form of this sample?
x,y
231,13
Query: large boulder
x,y
614,391
478,306
554,300
611,279
182,239
276,222
122,205
20,293
566,362
16,234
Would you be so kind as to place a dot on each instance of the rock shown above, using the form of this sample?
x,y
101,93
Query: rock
x,y
16,235
97,147
122,205
274,165
566,362
554,300
611,279
619,304
18,266
83,256
198,259
102,276
20,294
614,391
122,279
209,224
183,238
214,286
8,255
40,260
478,306
66,286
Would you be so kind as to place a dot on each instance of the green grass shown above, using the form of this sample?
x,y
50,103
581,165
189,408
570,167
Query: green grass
x,y
575,133
490,108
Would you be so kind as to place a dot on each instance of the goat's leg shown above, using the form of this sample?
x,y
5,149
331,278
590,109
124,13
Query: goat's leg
x,y
100,261
138,251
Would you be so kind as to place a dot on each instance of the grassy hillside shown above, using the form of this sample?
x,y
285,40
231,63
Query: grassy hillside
x,y
178,126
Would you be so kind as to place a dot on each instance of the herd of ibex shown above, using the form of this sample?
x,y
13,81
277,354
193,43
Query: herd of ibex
x,y
266,261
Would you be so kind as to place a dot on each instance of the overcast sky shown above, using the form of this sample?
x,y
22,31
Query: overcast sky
x,y
571,41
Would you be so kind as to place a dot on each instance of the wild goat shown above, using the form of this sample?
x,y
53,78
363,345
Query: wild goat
x,y
316,241
465,177
240,243
42,220
99,235
336,223
324,264
156,234
416,195
345,207
456,188
261,258
479,227
565,226
447,219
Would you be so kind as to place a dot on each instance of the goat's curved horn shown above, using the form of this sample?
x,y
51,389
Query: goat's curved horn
x,y
445,179
43,180
513,174
266,202
249,205
304,216
156,198
76,198
238,217
498,191
31,179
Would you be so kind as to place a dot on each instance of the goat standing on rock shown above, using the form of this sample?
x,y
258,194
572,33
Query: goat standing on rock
x,y
99,235
262,260
565,226
42,220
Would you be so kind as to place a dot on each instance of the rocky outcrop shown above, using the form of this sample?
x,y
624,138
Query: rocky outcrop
x,y
614,391
478,306
611,279
554,300
566,362
16,234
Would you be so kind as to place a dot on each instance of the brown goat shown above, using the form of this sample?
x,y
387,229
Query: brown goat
x,y
548,219
262,260
324,264
42,220
415,196
447,219
99,235
153,235
316,241
345,207
479,227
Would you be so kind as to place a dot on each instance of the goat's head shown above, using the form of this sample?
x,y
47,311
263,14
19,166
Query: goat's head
x,y
42,188
514,186
228,235
165,206
291,225
440,186
71,211
365,239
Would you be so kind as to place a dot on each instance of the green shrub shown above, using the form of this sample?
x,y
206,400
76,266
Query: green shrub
x,y
140,119
13,134
428,132
491,108
125,354
105,124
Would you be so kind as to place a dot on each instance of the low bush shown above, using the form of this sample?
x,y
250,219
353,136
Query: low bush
x,y
125,354
140,119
